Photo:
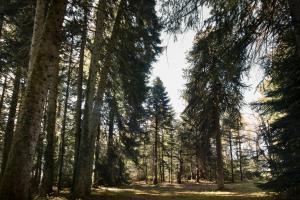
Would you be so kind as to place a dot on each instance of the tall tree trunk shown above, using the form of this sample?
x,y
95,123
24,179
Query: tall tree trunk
x,y
64,123
4,87
240,155
231,156
1,23
85,153
144,160
218,135
15,182
171,162
220,173
97,152
155,181
180,168
8,135
162,158
110,148
38,165
295,14
78,112
48,170
39,21
82,186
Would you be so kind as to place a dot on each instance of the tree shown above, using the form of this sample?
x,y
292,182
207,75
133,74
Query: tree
x,y
16,177
112,65
161,112
282,108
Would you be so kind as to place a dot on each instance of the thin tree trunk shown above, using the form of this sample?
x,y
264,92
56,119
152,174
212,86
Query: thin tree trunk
x,y
162,157
3,94
155,181
64,123
48,170
145,162
97,152
197,168
180,170
171,163
220,173
1,23
9,130
110,148
295,14
231,156
240,156
78,112
15,182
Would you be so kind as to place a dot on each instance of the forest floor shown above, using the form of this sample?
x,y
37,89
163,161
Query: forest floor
x,y
187,191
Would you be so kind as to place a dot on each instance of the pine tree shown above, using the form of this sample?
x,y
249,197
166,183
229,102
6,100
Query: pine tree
x,y
16,177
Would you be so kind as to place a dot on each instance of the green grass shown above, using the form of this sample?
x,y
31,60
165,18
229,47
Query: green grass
x,y
188,191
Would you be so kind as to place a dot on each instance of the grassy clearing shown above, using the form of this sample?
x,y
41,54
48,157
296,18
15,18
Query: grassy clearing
x,y
188,191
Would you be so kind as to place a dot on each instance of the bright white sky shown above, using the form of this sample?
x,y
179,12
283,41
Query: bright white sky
x,y
171,63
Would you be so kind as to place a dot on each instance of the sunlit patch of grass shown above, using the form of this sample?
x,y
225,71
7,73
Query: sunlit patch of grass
x,y
189,191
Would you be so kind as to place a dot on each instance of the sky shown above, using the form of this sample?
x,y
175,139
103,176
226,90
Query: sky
x,y
169,67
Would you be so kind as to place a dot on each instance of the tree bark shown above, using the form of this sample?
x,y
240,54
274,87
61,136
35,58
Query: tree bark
x,y
8,135
38,165
97,152
85,155
180,169
82,186
155,181
240,156
220,167
1,23
15,182
64,123
48,170
231,156
3,94
295,14
162,158
78,112
110,148
39,20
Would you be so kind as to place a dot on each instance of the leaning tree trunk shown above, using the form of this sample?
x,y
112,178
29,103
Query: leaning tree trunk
x,y
48,170
8,134
78,112
82,186
64,123
15,183
295,14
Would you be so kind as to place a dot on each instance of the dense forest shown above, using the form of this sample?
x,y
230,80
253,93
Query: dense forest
x,y
79,110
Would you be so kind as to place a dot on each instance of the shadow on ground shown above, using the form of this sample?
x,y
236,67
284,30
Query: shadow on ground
x,y
188,191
